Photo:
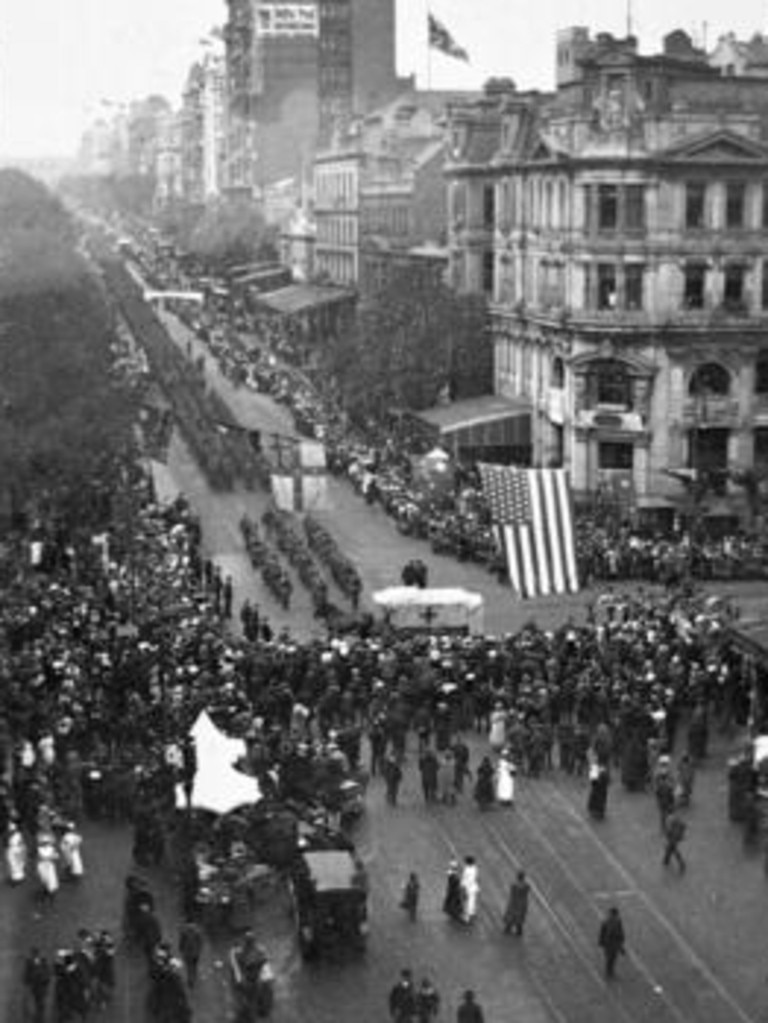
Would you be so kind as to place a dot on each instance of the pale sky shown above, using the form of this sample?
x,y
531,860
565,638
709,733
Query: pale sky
x,y
59,59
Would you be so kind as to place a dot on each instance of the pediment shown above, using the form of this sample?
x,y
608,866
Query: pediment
x,y
718,147
543,151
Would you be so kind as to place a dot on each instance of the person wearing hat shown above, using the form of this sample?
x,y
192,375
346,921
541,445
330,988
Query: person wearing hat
x,y
427,1002
37,980
453,902
402,999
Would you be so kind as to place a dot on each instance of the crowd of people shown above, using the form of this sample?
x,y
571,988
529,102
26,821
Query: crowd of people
x,y
378,459
111,646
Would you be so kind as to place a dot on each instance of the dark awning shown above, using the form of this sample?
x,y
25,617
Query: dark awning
x,y
299,298
475,424
462,415
751,637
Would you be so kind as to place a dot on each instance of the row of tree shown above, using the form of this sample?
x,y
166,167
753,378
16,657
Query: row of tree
x,y
223,233
63,416
412,344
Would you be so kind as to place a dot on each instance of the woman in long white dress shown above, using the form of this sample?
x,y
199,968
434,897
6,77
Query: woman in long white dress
x,y
470,889
497,737
16,856
505,781
71,851
47,855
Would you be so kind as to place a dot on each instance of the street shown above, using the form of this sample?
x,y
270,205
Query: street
x,y
695,942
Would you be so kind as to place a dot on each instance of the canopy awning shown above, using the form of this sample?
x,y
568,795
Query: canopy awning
x,y
475,424
463,415
300,298
751,637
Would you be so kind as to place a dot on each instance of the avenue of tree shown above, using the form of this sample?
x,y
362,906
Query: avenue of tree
x,y
63,414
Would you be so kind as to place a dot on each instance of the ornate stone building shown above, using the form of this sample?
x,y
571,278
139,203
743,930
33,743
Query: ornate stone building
x,y
619,227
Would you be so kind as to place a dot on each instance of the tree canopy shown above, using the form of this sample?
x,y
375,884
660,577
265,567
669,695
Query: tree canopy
x,y
233,231
61,413
413,342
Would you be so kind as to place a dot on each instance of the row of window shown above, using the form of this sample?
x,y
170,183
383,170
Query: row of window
x,y
707,449
620,286
340,266
388,219
336,230
335,185
608,382
611,207
335,78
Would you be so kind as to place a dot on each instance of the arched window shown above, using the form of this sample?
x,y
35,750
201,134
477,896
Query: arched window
x,y
557,375
610,383
711,378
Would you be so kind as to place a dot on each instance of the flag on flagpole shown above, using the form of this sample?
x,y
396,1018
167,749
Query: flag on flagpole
x,y
533,514
441,39
299,483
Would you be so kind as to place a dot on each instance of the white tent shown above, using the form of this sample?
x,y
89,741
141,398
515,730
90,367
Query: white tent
x,y
409,607
218,785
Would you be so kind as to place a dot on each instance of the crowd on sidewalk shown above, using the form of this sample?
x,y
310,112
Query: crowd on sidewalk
x,y
110,651
379,458
112,644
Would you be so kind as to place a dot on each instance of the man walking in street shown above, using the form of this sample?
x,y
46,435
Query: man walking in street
x,y
517,905
190,947
37,980
393,775
611,940
674,831
427,1002
402,999
428,766
469,1010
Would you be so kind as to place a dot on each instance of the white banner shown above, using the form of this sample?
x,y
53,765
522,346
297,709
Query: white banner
x,y
287,20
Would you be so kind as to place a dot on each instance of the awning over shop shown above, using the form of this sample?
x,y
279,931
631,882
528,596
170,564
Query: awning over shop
x,y
489,422
751,637
300,298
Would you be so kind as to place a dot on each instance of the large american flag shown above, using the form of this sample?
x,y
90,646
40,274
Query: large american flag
x,y
533,515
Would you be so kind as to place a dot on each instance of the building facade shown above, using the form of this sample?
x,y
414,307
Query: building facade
x,y
380,192
297,69
203,135
619,227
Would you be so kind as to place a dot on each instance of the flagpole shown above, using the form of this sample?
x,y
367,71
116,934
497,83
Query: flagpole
x,y
429,46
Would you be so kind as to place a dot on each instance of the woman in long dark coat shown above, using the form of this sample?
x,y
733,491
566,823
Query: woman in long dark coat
x,y
484,786
598,791
453,903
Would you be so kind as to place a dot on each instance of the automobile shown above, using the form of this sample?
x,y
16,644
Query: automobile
x,y
330,902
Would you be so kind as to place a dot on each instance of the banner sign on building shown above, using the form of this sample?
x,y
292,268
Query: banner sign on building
x,y
287,20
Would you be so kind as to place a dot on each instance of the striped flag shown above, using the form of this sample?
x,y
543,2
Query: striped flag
x,y
533,515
